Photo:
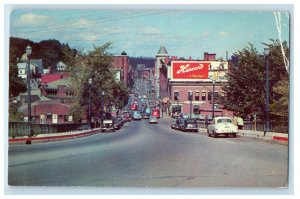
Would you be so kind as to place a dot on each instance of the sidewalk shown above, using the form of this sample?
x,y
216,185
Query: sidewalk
x,y
270,136
53,136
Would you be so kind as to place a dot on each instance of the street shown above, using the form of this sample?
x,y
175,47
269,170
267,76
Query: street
x,y
150,155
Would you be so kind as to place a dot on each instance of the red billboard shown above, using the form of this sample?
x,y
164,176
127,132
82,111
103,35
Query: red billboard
x,y
190,70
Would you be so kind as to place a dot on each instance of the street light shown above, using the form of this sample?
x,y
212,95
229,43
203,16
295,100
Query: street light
x,y
102,106
190,97
28,53
266,55
213,99
90,81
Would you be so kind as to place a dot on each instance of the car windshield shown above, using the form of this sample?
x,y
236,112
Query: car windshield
x,y
190,121
224,120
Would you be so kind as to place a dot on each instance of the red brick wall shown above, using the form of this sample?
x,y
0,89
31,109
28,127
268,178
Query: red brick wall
x,y
183,98
54,108
120,62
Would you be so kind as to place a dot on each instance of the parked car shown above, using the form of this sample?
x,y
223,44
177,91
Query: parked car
x,y
153,119
190,125
136,115
118,123
107,125
173,125
180,124
127,117
222,126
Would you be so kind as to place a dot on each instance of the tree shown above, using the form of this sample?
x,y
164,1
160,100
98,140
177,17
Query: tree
x,y
279,106
247,77
96,64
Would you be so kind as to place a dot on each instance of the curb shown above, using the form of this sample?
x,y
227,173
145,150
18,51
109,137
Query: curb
x,y
51,138
281,138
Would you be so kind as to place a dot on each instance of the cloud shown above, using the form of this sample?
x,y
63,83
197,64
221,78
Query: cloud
x,y
223,33
205,33
149,31
32,20
81,23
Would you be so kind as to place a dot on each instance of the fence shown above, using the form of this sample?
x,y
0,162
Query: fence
x,y
23,128
279,127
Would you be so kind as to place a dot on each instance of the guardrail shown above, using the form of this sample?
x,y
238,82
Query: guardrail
x,y
280,127
23,128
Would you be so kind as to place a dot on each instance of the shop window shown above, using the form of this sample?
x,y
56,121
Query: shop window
x,y
176,95
203,96
197,96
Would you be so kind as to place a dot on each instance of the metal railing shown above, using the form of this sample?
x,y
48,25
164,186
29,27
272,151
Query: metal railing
x,y
279,127
23,128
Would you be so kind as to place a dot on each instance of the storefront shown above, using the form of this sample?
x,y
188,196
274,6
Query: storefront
x,y
191,86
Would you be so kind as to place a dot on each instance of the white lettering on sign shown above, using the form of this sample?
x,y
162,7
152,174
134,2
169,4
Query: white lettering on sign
x,y
186,68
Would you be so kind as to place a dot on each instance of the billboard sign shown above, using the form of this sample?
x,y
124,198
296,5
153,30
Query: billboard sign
x,y
190,70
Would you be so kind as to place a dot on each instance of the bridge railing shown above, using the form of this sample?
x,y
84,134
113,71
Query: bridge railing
x,y
279,127
23,128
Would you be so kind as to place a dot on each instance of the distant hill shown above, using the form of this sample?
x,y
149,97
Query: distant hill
x,y
50,51
148,61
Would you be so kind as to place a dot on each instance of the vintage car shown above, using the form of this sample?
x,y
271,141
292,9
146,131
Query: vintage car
x,y
190,125
222,126
153,119
107,125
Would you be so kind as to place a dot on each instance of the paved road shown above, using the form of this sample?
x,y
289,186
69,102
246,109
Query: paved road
x,y
144,155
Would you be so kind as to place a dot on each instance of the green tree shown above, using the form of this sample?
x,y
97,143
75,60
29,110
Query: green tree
x,y
279,106
96,64
246,81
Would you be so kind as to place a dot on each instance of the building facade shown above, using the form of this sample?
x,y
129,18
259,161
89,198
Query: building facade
x,y
190,84
121,66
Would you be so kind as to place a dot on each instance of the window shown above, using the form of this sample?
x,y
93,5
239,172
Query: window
x,y
197,96
209,96
190,95
176,95
216,96
203,96
222,94
196,109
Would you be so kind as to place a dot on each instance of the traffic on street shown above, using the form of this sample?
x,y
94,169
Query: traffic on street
x,y
146,150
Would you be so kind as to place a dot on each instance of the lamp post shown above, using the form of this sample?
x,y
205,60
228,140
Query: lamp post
x,y
267,125
190,97
28,53
213,99
102,105
90,81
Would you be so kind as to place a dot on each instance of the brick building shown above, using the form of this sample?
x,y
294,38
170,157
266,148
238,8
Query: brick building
x,y
198,78
122,67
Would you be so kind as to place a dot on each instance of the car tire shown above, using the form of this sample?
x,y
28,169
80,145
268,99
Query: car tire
x,y
234,135
209,135
214,134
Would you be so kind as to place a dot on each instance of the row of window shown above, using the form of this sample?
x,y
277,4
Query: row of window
x,y
197,97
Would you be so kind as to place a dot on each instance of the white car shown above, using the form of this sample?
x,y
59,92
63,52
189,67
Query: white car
x,y
107,125
222,126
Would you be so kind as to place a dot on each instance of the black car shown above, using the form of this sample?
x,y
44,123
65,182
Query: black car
x,y
190,125
118,123
180,124
145,115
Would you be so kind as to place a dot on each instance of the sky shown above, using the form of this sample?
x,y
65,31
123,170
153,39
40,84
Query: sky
x,y
138,32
